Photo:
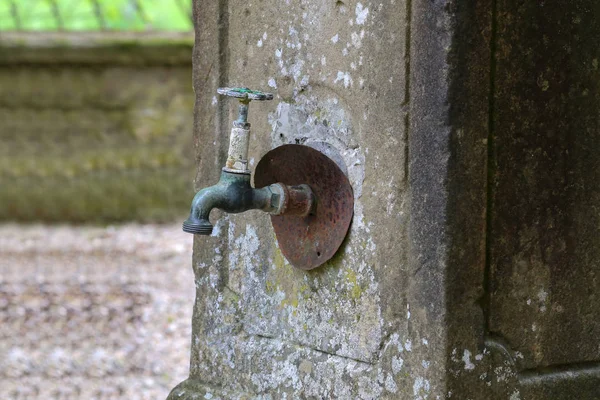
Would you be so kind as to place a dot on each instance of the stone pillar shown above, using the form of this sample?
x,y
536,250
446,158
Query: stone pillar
x,y
470,270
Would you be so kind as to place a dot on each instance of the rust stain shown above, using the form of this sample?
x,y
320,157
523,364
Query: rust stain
x,y
309,241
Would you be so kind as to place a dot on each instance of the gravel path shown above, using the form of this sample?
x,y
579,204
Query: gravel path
x,y
94,313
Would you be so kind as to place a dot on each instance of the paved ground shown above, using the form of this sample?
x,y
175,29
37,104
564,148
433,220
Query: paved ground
x,y
94,313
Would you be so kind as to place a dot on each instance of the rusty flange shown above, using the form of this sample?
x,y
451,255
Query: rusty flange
x,y
310,241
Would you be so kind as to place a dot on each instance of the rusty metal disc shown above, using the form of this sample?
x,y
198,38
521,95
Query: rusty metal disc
x,y
310,241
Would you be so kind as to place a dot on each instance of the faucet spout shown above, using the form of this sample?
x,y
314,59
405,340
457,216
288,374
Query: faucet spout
x,y
234,194
202,204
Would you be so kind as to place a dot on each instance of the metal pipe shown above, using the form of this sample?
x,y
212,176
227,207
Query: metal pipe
x,y
234,194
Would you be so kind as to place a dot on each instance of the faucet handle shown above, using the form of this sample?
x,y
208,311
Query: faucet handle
x,y
237,158
244,93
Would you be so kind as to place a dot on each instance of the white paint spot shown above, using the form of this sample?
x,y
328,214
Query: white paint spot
x,y
425,342
397,364
528,302
296,69
408,345
361,14
542,295
259,43
214,100
533,327
216,232
265,36
419,385
390,384
425,364
305,80
323,60
479,357
345,77
467,360
278,53
345,51
272,83
516,395
248,245
356,38
335,38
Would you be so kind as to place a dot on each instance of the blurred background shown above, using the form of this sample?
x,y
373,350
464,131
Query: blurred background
x,y
96,172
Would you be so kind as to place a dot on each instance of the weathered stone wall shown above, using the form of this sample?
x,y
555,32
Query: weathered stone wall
x,y
261,327
545,224
468,131
95,127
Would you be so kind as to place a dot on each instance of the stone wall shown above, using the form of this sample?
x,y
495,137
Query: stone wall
x,y
95,127
469,131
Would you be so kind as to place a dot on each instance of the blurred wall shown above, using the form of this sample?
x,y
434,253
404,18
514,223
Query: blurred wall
x,y
95,127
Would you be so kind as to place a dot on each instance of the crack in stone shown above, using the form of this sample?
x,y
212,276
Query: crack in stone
x,y
304,347
232,291
383,344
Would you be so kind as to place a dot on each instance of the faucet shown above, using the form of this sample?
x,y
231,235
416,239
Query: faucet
x,y
234,193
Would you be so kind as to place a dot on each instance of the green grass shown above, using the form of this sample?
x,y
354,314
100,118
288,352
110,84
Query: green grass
x,y
95,15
